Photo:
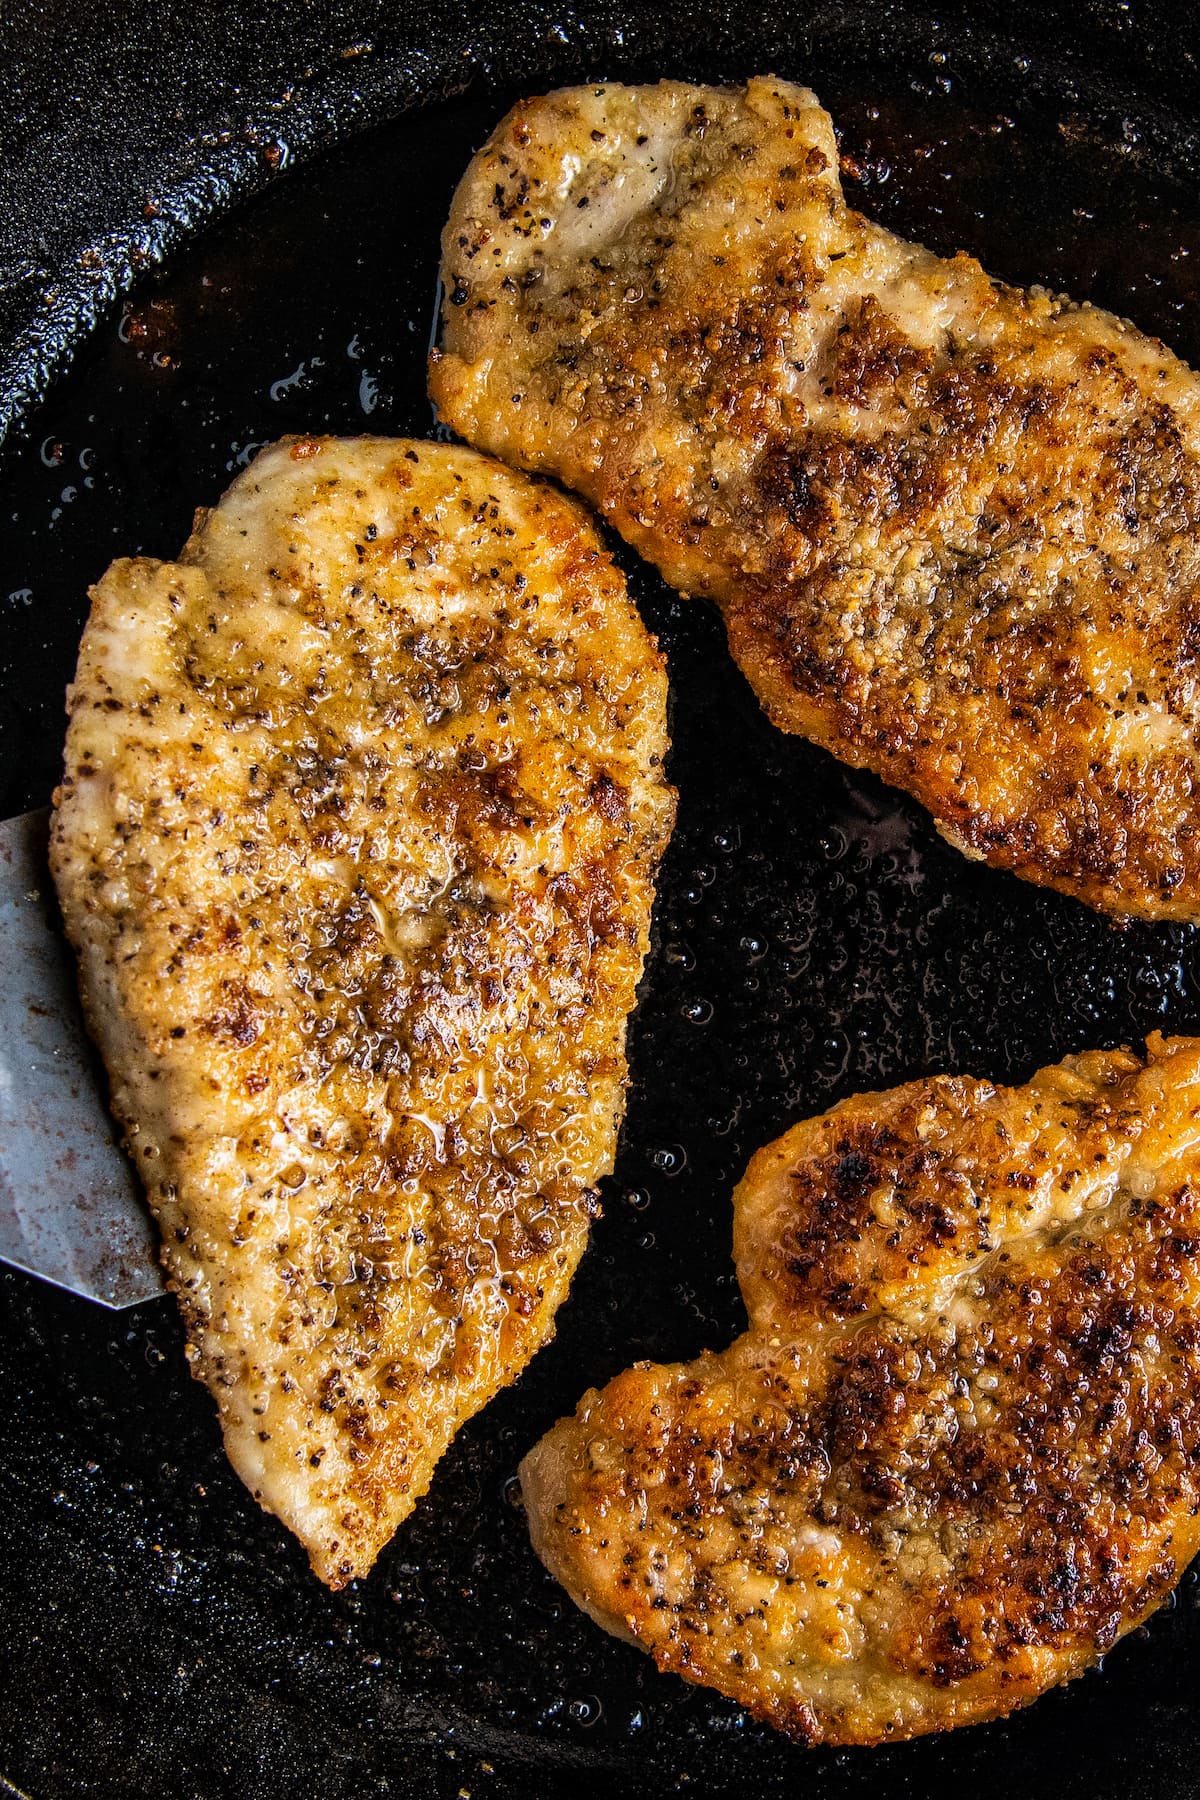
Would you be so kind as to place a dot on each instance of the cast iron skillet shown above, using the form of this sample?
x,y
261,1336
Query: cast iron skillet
x,y
814,937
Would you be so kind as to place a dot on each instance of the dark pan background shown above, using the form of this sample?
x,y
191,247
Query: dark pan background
x,y
158,1635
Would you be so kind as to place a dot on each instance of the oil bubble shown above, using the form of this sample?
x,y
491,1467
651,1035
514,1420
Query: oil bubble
x,y
512,1494
670,1159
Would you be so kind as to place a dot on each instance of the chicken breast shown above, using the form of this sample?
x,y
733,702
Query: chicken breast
x,y
954,528
363,801
957,1453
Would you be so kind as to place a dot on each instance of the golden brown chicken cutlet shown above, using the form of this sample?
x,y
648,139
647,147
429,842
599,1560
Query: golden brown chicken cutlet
x,y
363,801
953,527
957,1453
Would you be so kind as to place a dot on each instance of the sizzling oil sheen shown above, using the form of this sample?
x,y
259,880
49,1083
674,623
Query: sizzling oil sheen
x,y
957,1453
953,527
356,843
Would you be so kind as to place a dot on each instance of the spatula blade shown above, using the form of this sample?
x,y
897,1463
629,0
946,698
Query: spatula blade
x,y
70,1207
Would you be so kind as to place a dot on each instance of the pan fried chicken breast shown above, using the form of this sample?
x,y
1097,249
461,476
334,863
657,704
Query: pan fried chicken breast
x,y
363,801
953,527
957,1453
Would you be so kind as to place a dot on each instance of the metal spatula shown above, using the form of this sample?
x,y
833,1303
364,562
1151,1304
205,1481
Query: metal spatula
x,y
71,1209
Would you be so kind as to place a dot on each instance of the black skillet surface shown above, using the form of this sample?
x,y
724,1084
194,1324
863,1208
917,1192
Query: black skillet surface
x,y
160,1636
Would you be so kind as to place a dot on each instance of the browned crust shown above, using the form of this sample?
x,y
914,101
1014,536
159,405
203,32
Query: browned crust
x,y
957,1455
357,836
953,527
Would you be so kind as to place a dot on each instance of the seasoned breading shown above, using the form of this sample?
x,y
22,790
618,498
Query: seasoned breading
x,y
953,527
957,1453
363,801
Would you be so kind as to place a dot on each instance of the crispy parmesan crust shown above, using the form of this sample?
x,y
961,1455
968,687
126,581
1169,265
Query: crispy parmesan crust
x,y
957,1454
953,527
362,807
